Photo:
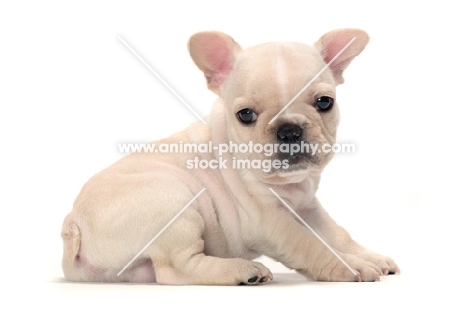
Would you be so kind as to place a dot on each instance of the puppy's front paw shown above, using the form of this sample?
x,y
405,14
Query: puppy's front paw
x,y
386,264
369,266
257,273
367,271
334,270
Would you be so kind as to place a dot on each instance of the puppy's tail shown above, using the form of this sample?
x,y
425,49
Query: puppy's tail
x,y
71,236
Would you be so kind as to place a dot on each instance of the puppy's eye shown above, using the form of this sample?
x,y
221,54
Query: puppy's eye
x,y
324,103
247,116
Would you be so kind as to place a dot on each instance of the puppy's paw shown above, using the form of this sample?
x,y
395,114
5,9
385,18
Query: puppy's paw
x,y
367,271
335,270
386,264
255,273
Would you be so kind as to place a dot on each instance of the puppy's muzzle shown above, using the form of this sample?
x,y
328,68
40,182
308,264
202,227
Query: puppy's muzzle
x,y
290,137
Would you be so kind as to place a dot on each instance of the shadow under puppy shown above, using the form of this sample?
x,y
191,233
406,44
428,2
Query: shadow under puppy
x,y
237,218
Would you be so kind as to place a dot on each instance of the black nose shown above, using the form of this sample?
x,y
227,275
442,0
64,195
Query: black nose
x,y
289,133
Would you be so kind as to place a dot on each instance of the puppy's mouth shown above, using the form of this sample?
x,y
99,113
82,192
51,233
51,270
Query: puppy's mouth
x,y
299,161
295,168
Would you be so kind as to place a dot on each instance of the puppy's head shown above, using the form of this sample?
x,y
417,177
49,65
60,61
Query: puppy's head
x,y
279,95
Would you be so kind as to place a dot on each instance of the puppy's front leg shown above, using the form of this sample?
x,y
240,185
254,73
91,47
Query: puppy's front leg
x,y
281,237
338,238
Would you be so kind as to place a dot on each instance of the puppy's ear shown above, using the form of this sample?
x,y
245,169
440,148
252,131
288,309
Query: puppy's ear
x,y
214,53
331,43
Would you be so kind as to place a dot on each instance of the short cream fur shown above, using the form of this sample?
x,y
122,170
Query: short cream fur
x,y
236,219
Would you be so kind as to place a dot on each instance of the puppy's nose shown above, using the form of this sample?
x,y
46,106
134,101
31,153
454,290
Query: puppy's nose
x,y
289,133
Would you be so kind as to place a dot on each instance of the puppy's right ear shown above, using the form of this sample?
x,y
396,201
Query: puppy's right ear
x,y
214,53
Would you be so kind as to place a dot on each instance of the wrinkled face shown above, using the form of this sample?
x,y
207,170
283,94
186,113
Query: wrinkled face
x,y
263,81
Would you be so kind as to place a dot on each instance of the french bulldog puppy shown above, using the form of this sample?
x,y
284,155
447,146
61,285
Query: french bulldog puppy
x,y
237,217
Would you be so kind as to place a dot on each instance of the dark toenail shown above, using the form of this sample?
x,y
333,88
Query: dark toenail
x,y
253,279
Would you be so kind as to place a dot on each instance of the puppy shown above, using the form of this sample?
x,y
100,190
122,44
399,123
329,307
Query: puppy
x,y
236,218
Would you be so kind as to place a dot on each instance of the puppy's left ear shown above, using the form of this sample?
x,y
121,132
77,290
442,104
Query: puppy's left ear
x,y
331,43
214,53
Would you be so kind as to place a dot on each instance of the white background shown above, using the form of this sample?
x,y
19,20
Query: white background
x,y
70,91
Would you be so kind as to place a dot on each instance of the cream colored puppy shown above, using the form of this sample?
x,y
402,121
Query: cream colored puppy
x,y
237,218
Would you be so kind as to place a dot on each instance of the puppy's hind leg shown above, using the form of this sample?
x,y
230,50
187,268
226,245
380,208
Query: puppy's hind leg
x,y
181,261
199,269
